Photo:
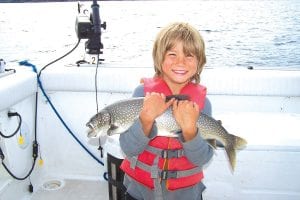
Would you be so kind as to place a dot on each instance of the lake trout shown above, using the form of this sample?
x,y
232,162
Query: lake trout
x,y
119,116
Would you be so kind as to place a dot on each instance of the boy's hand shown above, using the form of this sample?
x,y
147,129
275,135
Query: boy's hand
x,y
154,105
186,114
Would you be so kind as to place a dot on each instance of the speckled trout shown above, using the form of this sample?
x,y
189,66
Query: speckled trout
x,y
119,116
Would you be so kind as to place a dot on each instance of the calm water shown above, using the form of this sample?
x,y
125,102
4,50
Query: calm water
x,y
260,34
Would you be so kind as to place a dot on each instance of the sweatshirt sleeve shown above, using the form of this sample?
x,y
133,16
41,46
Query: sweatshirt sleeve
x,y
198,151
133,141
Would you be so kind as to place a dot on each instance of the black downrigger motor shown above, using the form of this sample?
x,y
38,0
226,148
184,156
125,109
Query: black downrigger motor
x,y
89,27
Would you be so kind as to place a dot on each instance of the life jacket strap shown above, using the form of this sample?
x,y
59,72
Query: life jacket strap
x,y
166,153
155,175
169,174
133,161
154,168
164,174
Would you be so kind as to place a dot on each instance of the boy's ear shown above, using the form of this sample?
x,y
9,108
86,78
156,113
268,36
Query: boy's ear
x,y
142,81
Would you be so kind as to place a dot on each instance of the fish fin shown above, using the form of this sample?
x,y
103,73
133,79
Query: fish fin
x,y
114,129
212,143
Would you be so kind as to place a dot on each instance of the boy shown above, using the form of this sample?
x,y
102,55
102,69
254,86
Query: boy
x,y
168,167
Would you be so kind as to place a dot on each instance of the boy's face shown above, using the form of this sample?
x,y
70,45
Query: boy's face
x,y
178,68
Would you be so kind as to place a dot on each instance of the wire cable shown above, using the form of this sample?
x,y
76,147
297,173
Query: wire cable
x,y
54,61
26,63
35,144
35,148
18,178
96,84
11,114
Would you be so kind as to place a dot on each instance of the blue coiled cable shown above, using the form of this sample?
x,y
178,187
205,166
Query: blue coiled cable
x,y
26,63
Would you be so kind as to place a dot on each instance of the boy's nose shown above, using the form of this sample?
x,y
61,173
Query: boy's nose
x,y
180,59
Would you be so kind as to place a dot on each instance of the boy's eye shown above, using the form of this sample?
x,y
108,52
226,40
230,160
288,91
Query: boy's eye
x,y
171,54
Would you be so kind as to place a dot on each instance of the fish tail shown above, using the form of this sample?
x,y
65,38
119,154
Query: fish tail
x,y
240,143
231,147
231,154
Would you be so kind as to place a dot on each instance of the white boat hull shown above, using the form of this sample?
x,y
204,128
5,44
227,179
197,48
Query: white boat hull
x,y
262,106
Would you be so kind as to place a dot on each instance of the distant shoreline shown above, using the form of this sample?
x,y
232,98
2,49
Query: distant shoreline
x,y
53,1
49,1
35,1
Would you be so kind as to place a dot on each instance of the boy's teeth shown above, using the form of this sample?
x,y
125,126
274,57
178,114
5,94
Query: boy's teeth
x,y
179,71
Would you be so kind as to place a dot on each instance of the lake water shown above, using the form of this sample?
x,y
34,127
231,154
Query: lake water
x,y
259,34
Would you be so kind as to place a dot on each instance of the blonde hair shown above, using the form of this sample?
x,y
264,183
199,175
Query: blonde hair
x,y
192,43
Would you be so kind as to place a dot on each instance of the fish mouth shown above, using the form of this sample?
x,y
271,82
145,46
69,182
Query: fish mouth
x,y
91,131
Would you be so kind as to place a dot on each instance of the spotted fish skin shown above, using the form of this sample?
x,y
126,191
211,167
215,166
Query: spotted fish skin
x,y
119,116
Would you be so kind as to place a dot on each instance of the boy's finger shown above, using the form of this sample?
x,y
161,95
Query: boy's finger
x,y
175,104
170,102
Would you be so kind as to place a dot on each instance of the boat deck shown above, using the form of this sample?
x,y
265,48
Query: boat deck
x,y
74,189
261,106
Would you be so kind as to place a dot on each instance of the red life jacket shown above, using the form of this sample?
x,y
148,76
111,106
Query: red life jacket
x,y
197,93
164,157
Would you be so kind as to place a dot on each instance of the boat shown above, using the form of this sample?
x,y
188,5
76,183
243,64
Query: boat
x,y
50,112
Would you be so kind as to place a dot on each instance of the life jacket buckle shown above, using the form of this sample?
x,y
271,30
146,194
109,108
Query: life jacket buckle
x,y
170,153
167,174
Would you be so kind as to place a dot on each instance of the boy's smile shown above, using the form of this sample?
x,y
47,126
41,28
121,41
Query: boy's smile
x,y
180,72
